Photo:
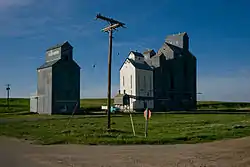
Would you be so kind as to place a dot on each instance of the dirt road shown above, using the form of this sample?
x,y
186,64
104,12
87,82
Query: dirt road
x,y
14,153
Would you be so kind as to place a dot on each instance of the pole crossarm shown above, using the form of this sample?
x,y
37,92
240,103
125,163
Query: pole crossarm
x,y
111,27
110,20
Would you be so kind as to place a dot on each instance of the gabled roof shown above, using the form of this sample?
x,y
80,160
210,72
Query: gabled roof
x,y
137,54
174,48
66,43
151,52
51,63
48,64
179,34
165,50
142,66
148,51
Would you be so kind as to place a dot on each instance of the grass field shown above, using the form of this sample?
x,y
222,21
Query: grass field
x,y
17,106
222,105
163,128
20,107
95,104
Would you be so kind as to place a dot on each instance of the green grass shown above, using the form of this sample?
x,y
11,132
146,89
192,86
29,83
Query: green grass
x,y
22,104
163,129
93,103
19,107
222,105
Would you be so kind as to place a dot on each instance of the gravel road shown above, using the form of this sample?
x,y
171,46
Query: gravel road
x,y
16,153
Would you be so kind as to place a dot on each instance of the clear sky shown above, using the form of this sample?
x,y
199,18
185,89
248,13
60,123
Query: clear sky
x,y
219,32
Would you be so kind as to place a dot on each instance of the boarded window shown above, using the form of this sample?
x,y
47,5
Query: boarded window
x,y
131,82
123,81
150,85
144,82
139,85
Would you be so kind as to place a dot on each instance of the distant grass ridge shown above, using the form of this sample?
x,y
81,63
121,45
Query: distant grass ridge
x,y
20,106
222,105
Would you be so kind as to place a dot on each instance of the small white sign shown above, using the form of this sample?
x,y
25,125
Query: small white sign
x,y
104,107
52,53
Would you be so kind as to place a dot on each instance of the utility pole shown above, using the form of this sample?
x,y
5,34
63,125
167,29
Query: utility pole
x,y
8,95
113,25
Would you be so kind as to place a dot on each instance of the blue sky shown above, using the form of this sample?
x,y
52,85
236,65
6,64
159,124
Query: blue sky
x,y
218,30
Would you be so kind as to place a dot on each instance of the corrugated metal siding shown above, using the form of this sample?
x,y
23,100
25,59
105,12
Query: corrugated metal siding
x,y
184,88
33,104
66,86
58,80
44,90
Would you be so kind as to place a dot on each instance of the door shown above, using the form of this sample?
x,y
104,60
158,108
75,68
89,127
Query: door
x,y
33,104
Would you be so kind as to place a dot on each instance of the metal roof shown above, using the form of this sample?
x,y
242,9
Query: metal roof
x,y
178,34
148,51
51,63
48,64
142,66
58,45
174,48
137,54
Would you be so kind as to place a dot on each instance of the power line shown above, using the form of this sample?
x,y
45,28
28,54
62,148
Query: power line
x,y
113,25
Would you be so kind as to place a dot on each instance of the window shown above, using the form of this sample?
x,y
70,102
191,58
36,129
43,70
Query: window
x,y
150,83
144,82
139,85
123,81
131,82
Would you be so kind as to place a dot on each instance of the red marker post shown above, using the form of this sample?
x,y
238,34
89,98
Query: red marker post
x,y
147,115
